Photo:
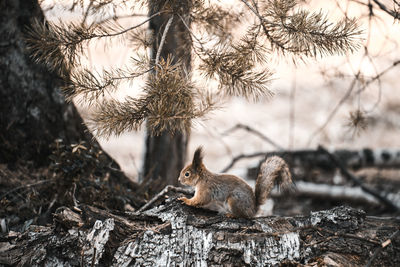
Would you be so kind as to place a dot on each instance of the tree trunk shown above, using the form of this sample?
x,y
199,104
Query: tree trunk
x,y
176,235
165,154
33,112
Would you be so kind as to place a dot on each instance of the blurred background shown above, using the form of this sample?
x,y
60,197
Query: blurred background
x,y
347,101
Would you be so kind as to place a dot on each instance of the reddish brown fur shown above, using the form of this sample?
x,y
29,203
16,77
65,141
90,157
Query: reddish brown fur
x,y
230,194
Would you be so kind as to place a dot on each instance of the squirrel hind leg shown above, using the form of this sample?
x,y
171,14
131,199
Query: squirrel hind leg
x,y
240,208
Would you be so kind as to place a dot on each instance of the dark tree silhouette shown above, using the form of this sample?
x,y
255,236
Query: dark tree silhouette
x,y
33,112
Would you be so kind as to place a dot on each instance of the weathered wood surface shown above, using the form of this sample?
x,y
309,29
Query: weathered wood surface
x,y
175,235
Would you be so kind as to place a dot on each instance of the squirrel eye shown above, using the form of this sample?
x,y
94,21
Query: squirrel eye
x,y
187,174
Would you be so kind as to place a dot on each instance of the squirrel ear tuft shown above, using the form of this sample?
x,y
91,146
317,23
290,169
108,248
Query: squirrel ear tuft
x,y
197,158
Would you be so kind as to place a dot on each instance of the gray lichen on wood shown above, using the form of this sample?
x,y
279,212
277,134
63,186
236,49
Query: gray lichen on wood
x,y
256,243
172,234
96,239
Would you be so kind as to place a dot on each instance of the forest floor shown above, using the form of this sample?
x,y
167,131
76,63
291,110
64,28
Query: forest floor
x,y
30,195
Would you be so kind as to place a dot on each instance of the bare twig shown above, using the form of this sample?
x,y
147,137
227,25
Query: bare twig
x,y
192,35
357,181
254,131
52,202
164,35
379,75
242,156
124,31
167,189
334,111
115,17
73,195
381,247
335,235
257,154
392,13
345,235
85,16
292,113
25,187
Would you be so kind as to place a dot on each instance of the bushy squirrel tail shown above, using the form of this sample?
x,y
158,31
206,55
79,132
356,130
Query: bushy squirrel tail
x,y
274,170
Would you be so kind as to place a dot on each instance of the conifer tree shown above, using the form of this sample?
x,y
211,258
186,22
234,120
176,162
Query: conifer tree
x,y
181,32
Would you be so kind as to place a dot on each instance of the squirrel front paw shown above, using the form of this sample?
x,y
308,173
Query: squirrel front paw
x,y
184,200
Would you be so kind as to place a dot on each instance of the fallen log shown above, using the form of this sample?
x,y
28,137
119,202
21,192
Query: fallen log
x,y
309,158
172,234
342,193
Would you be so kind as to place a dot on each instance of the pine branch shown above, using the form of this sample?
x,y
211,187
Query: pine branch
x,y
115,117
90,86
168,104
234,66
216,21
170,100
303,33
59,46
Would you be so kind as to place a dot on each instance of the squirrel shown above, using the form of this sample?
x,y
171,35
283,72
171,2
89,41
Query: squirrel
x,y
229,194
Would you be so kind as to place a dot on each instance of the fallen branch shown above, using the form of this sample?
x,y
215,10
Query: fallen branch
x,y
337,192
357,181
355,159
334,192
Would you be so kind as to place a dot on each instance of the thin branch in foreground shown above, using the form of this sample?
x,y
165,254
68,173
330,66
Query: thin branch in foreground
x,y
25,187
381,247
389,204
165,191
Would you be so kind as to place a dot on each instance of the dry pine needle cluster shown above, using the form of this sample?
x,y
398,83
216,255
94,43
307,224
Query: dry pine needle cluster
x,y
170,99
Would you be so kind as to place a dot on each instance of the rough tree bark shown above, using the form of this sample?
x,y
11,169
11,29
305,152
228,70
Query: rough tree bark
x,y
165,153
33,112
176,235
